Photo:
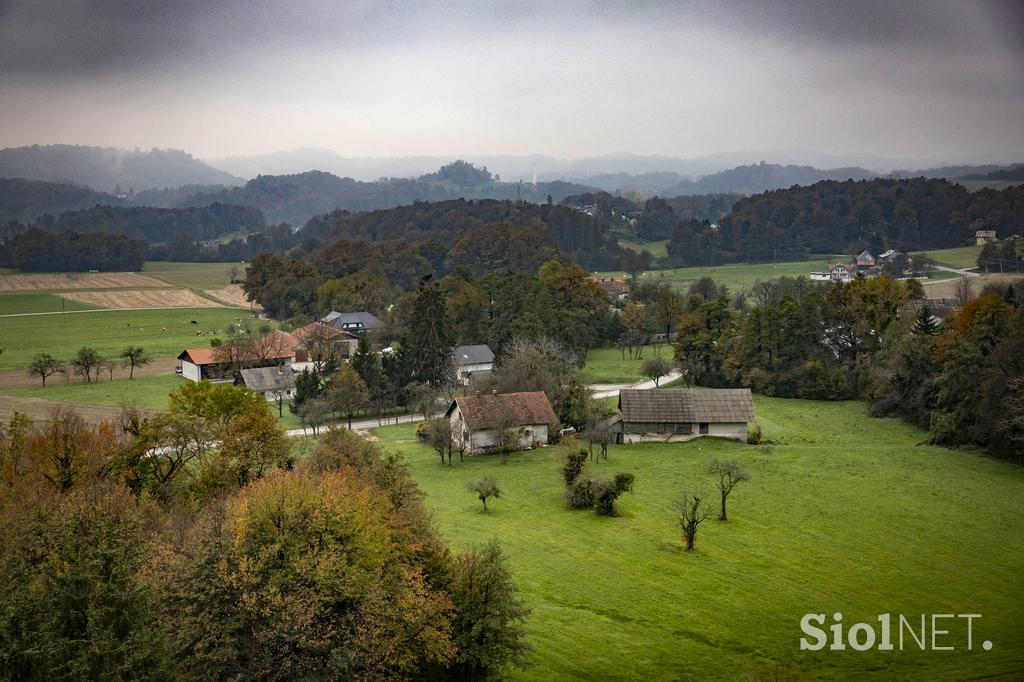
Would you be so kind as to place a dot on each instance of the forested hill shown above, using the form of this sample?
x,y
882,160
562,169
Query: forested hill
x,y
844,217
459,224
158,225
107,169
761,177
297,198
23,201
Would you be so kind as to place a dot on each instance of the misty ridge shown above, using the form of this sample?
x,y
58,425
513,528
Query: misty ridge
x,y
293,187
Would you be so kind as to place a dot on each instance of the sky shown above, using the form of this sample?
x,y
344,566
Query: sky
x,y
928,80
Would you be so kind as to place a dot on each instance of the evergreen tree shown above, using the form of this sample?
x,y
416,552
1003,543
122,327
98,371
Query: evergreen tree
x,y
430,339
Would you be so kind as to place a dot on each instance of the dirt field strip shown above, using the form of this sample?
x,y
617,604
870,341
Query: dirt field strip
x,y
72,281
232,295
947,288
143,298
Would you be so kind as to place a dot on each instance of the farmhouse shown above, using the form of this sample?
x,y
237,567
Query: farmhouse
x,y
615,289
317,342
478,422
865,260
470,360
220,363
667,415
984,237
840,272
353,322
270,382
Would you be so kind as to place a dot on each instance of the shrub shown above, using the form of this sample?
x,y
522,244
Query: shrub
x,y
580,495
754,434
573,466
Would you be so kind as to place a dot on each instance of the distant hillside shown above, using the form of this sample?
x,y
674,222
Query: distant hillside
x,y
159,225
762,177
107,169
1014,173
23,201
297,198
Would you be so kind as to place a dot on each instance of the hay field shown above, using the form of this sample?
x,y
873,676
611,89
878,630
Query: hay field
x,y
72,281
142,298
231,294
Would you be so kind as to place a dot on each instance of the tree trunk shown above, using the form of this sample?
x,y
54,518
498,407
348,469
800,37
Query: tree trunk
x,y
723,517
689,542
484,500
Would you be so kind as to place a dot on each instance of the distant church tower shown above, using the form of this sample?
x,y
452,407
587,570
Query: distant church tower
x,y
534,175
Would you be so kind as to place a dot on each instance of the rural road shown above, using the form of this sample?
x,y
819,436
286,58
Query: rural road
x,y
965,273
598,390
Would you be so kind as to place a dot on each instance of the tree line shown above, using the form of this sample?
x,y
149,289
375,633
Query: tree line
x,y
69,251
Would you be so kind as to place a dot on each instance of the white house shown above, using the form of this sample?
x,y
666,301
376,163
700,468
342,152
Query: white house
x,y
271,382
669,415
840,272
470,360
477,421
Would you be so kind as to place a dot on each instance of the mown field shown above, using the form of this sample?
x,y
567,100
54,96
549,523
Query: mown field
x,y
960,257
109,332
846,513
608,366
738,277
146,392
192,275
655,248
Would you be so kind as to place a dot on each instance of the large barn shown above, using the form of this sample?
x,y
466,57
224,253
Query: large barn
x,y
666,415
477,421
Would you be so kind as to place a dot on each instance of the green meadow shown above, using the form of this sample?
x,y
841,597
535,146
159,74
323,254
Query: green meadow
x,y
148,392
738,277
844,513
109,332
20,304
609,366
192,275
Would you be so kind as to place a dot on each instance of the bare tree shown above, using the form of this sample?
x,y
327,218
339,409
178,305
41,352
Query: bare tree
x,y
314,412
485,488
44,365
693,509
507,433
964,291
109,366
423,399
444,440
729,473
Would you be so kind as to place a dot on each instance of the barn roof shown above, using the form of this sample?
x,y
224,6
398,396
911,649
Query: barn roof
x,y
687,405
325,331
264,379
478,354
277,345
487,411
353,321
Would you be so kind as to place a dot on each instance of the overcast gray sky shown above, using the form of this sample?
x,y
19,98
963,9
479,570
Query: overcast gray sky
x,y
910,79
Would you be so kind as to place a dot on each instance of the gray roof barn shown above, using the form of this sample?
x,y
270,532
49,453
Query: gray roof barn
x,y
353,322
687,405
269,379
479,354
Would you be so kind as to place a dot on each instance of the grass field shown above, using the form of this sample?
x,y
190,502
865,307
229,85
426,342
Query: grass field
x,y
960,257
109,332
192,275
738,277
656,248
607,366
146,392
19,304
847,514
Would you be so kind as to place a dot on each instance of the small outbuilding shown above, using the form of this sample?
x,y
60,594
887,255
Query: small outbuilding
x,y
272,383
482,423
668,415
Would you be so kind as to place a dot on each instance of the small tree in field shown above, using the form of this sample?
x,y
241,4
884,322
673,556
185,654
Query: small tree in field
x,y
606,491
693,510
44,365
656,367
85,361
135,356
444,440
729,473
485,488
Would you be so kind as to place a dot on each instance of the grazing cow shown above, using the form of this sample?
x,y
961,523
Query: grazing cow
x,y
163,329
194,322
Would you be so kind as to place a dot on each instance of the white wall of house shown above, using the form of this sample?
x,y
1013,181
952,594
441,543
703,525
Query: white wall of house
x,y
191,371
481,440
736,431
465,371
284,395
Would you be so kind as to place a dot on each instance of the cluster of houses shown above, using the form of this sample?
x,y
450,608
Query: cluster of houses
x,y
865,264
269,364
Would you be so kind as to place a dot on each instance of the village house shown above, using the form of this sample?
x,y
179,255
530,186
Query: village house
x,y
477,422
669,415
982,237
865,261
472,360
317,341
273,383
355,323
840,272
615,289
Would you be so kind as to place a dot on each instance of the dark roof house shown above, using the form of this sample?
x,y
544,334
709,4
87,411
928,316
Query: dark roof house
x,y
478,354
478,421
353,322
270,381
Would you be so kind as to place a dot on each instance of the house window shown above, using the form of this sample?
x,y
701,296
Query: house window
x,y
703,428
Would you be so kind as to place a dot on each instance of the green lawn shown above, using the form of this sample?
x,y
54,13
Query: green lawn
x,y
847,514
19,304
147,392
656,248
961,257
738,276
109,332
192,275
607,366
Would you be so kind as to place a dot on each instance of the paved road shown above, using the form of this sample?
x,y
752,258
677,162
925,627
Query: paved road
x,y
598,390
945,268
